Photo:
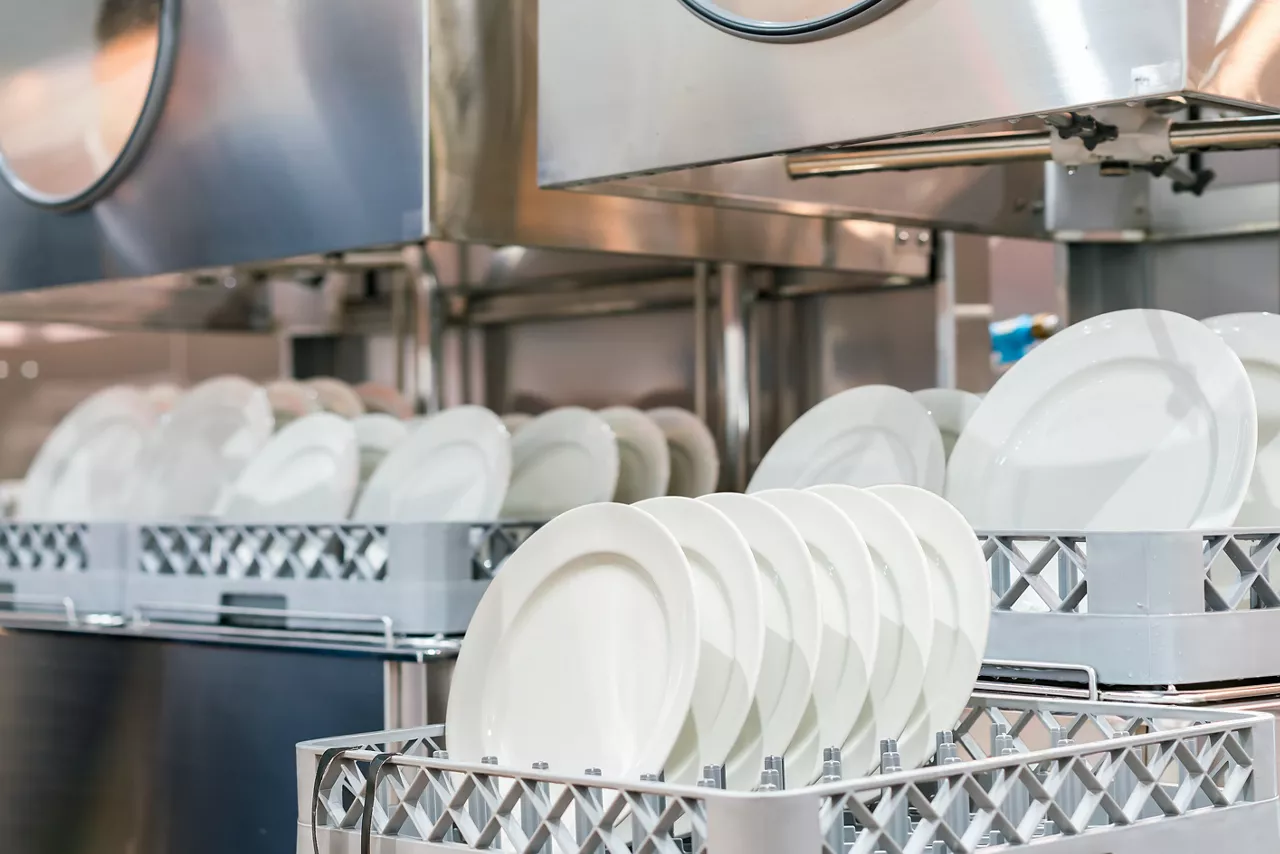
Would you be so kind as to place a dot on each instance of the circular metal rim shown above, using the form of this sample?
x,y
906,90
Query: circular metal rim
x,y
854,15
148,118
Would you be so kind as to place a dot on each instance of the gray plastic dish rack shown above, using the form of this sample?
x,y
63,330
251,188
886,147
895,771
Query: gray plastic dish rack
x,y
1142,610
66,570
391,579
1123,779
1150,610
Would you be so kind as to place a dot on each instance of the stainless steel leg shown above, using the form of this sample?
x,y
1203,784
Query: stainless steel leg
x,y
736,404
428,328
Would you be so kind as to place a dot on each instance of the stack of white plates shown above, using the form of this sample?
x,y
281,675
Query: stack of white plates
x,y
677,633
572,456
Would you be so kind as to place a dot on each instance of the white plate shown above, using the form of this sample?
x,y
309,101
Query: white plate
x,y
1137,420
850,621
200,449
560,460
961,590
731,618
695,462
377,435
453,467
307,472
513,421
644,463
291,400
337,397
861,437
906,622
82,469
950,409
792,626
584,651
383,399
163,396
1255,338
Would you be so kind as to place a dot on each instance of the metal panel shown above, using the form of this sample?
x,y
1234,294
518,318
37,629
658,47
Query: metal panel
x,y
992,200
114,745
1200,278
269,145
666,90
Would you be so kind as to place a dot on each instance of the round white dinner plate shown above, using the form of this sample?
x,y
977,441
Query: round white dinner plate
x,y
583,652
861,437
291,400
1255,338
452,467
695,462
83,468
731,621
644,463
850,621
950,409
200,449
906,622
307,472
793,631
961,590
1137,420
385,400
560,460
377,434
513,421
336,396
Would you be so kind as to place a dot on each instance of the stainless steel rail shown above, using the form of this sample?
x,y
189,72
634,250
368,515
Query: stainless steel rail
x,y
999,148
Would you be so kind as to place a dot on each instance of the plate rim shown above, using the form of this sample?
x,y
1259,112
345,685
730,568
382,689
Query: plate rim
x,y
857,406
428,433
1062,356
572,534
746,607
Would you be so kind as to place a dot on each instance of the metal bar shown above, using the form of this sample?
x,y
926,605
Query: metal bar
x,y
1227,134
428,324
997,148
945,300
736,403
701,363
972,150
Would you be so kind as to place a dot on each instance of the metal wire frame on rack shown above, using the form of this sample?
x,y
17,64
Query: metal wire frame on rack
x,y
1120,778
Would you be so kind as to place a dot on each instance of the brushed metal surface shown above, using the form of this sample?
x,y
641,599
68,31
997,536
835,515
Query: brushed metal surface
x,y
81,84
290,127
300,127
118,746
484,181
668,91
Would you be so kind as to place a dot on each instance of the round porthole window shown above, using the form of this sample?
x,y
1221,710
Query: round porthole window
x,y
81,84
787,20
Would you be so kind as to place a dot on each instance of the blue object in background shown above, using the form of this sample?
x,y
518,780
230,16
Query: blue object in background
x,y
1013,338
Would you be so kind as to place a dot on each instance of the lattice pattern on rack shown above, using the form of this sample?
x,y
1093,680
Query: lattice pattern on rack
x,y
342,552
493,543
1236,568
46,547
500,810
1109,771
1037,573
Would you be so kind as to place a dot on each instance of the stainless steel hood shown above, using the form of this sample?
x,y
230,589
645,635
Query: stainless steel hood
x,y
701,86
300,127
